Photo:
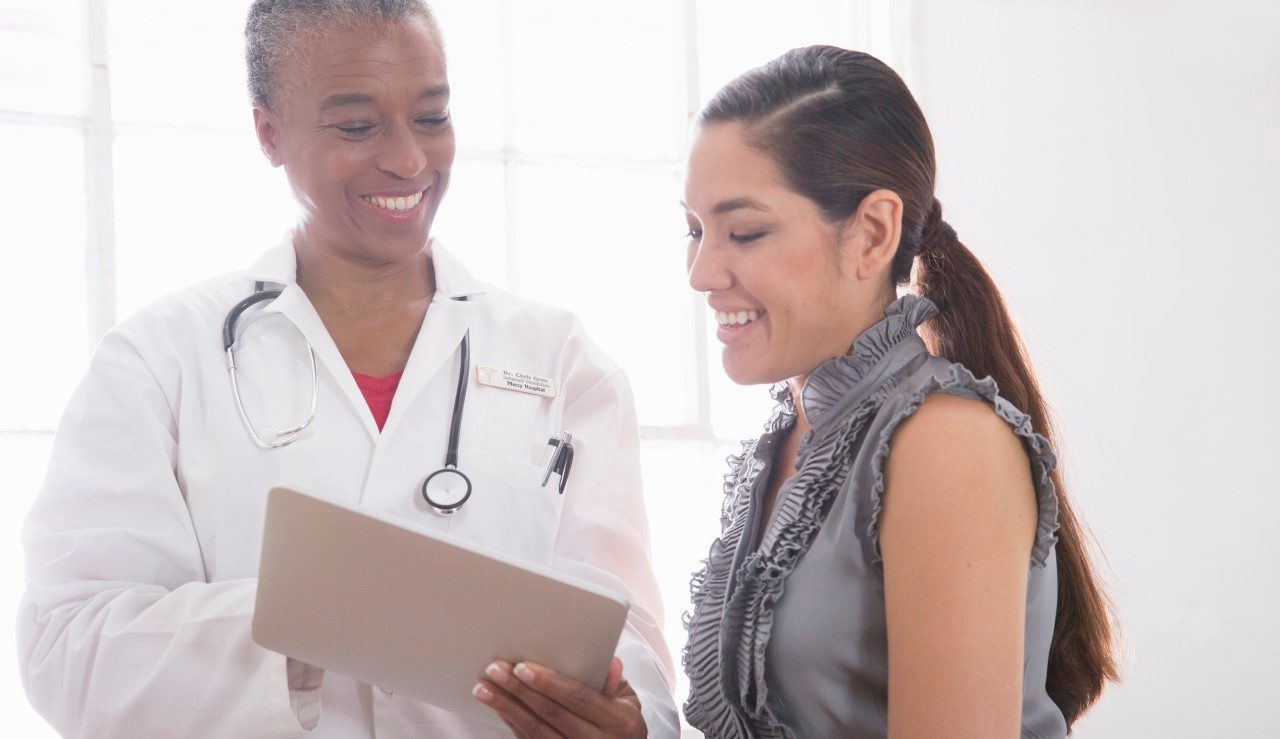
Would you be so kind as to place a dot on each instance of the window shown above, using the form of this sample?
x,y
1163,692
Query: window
x,y
125,128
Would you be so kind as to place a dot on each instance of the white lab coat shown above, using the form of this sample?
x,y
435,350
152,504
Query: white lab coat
x,y
142,548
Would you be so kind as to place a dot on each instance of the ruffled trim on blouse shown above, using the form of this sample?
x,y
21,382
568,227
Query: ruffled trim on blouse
x,y
729,633
724,656
709,585
763,574
832,381
960,381
701,655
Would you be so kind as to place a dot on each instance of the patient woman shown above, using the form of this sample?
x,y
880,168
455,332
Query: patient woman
x,y
898,557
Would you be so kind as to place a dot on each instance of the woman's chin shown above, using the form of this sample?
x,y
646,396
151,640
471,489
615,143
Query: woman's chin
x,y
743,369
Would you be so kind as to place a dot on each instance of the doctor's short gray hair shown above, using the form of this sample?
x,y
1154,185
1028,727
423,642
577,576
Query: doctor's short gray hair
x,y
275,28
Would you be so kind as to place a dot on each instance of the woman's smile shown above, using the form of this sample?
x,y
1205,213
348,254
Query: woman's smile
x,y
735,325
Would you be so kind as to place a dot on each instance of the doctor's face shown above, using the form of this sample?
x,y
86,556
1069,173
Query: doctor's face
x,y
360,121
769,264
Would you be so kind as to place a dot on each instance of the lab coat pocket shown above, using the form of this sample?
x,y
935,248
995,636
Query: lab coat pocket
x,y
508,510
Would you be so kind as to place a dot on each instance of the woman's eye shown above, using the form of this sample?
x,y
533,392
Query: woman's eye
x,y
693,234
746,238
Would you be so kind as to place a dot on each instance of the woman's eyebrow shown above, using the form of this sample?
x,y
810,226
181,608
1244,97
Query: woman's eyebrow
x,y
729,206
737,204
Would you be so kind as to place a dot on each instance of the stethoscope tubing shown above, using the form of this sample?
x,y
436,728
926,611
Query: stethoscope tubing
x,y
292,434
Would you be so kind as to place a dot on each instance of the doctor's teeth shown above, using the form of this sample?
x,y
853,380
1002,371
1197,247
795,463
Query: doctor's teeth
x,y
399,203
738,318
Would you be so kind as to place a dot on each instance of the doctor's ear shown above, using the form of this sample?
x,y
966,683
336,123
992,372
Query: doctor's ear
x,y
871,235
267,125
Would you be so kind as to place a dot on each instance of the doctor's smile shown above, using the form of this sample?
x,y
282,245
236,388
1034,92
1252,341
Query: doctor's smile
x,y
398,207
343,446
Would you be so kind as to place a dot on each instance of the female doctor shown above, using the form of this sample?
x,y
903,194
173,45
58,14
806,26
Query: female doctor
x,y
360,338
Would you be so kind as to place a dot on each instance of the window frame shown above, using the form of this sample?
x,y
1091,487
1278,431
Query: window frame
x,y
883,27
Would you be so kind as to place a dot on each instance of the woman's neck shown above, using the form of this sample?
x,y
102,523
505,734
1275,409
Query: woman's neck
x,y
871,316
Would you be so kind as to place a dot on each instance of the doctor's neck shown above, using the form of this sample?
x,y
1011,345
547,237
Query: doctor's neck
x,y
354,280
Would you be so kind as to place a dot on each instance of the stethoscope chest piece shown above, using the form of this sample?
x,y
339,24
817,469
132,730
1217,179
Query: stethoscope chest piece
x,y
446,489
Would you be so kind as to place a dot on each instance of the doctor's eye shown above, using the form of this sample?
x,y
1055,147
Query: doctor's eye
x,y
359,129
434,121
694,234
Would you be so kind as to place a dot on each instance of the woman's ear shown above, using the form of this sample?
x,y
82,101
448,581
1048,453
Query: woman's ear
x,y
872,233
267,126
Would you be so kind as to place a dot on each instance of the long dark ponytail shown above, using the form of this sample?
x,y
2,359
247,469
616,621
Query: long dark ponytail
x,y
841,124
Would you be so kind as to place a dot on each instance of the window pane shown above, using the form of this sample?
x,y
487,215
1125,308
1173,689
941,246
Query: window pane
x,y
683,491
23,458
191,205
607,245
42,292
472,32
42,56
179,62
599,78
472,219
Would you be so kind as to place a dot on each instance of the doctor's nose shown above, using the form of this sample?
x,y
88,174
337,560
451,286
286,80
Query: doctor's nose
x,y
707,269
402,154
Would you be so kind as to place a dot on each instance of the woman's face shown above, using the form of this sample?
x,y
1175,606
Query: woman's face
x,y
360,121
790,290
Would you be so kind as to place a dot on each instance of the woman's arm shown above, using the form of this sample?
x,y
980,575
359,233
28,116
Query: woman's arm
x,y
956,531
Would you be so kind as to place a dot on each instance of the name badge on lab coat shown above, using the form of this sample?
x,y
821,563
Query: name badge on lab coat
x,y
523,382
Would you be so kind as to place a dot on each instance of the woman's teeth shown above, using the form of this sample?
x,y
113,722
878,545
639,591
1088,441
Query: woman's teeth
x,y
739,318
405,203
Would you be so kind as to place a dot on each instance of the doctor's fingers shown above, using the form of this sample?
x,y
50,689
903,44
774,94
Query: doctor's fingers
x,y
613,680
566,720
520,718
615,715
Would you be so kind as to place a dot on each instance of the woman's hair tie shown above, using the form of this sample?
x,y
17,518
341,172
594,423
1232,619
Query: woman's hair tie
x,y
937,234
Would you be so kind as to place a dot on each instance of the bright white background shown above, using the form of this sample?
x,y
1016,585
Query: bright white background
x,y
1117,167
1113,163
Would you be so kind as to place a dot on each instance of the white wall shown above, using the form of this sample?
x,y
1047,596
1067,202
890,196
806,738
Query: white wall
x,y
1117,167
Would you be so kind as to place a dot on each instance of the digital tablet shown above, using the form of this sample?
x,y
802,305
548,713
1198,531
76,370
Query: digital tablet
x,y
416,612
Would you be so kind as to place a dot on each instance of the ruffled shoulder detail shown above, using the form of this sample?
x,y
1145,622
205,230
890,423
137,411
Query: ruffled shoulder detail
x,y
833,380
914,309
960,381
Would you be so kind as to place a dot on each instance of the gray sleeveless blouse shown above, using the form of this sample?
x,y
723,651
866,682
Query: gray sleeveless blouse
x,y
790,640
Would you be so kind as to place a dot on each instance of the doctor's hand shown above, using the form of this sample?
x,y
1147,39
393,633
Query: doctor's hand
x,y
535,701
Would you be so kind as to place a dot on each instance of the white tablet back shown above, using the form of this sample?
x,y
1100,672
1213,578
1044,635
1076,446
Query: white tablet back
x,y
416,613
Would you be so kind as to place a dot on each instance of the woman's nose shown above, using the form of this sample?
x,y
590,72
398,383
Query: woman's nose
x,y
707,269
402,154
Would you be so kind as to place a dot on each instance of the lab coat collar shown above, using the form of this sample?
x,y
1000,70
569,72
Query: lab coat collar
x,y
453,280
438,340
279,265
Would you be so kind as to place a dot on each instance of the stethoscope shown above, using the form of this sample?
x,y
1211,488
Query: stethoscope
x,y
445,490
